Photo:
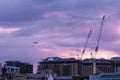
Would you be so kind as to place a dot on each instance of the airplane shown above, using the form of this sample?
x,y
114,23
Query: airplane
x,y
35,42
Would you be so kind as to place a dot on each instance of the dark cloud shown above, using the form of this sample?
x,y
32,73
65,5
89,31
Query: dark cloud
x,y
20,11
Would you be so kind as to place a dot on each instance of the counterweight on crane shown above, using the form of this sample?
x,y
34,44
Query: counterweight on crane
x,y
98,42
86,44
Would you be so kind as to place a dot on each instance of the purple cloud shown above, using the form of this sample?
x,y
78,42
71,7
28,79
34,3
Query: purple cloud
x,y
56,25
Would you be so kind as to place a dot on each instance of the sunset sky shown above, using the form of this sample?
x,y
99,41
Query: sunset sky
x,y
60,26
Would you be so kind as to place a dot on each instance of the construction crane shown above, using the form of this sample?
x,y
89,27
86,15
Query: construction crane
x,y
99,37
97,46
85,44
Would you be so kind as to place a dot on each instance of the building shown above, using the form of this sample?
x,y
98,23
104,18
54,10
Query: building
x,y
116,61
61,66
8,71
24,77
114,75
64,78
32,77
105,76
71,66
0,70
23,66
102,66
13,73
12,69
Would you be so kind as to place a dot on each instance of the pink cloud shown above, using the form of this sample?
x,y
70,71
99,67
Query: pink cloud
x,y
8,30
66,53
118,29
107,54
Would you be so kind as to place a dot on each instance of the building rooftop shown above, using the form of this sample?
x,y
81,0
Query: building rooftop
x,y
115,59
58,60
16,61
90,60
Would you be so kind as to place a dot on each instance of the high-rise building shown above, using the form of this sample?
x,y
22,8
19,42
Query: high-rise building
x,y
61,66
71,66
116,61
102,66
23,66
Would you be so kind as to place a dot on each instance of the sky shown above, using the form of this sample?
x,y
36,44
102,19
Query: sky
x,y
61,28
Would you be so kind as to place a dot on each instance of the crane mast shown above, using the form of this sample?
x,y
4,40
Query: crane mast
x,y
99,37
97,46
86,44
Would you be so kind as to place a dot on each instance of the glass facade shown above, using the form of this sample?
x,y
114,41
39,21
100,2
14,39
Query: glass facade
x,y
24,67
